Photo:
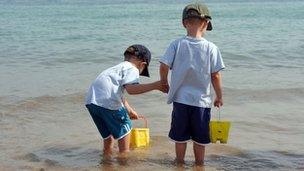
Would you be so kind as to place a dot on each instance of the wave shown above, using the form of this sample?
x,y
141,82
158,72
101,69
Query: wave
x,y
34,103
231,95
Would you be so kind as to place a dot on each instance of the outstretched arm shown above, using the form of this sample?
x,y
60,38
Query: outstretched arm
x,y
143,88
217,85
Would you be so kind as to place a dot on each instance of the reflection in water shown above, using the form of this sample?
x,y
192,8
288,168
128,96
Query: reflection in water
x,y
145,159
133,162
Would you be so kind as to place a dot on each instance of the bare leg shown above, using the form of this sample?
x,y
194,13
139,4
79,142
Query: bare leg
x,y
199,153
108,146
180,150
124,143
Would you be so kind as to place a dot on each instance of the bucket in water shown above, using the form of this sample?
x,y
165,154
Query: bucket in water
x,y
140,137
219,130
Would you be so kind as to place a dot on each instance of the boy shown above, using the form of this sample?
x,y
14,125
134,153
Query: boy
x,y
109,109
195,64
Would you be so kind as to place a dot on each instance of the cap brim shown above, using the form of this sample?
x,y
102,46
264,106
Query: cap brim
x,y
145,72
209,27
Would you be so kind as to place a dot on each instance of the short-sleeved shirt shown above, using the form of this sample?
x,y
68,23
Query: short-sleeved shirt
x,y
192,60
108,88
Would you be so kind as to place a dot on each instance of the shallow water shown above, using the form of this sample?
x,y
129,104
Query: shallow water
x,y
61,135
52,50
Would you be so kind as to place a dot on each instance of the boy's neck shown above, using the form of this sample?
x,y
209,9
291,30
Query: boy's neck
x,y
134,62
195,33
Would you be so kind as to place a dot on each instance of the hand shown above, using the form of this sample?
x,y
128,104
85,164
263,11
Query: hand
x,y
218,102
164,86
133,115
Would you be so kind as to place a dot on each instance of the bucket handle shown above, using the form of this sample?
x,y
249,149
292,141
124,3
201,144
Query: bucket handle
x,y
143,118
219,113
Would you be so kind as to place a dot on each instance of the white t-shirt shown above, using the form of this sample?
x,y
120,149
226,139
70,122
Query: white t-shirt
x,y
192,60
107,89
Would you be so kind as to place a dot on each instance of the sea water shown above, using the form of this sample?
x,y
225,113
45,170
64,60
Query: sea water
x,y
51,50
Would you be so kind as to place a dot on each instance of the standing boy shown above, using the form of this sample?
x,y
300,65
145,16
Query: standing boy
x,y
195,64
109,109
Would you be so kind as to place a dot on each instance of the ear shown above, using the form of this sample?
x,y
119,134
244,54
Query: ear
x,y
205,24
143,63
184,23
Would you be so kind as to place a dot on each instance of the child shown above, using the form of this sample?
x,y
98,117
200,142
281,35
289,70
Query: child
x,y
104,100
195,64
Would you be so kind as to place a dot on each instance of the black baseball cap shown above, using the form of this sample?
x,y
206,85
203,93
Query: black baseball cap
x,y
142,53
198,10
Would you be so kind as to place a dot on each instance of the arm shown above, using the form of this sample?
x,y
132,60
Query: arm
x,y
132,113
163,72
217,85
142,88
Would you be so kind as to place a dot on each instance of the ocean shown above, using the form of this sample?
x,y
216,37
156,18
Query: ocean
x,y
51,50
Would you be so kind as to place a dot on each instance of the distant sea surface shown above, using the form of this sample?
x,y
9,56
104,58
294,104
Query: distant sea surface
x,y
51,50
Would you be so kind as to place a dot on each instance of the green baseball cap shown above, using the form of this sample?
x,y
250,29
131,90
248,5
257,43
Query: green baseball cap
x,y
197,10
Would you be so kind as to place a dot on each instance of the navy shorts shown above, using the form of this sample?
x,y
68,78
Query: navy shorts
x,y
110,122
190,123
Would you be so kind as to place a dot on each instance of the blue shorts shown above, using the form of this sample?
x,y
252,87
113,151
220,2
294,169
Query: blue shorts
x,y
190,123
110,122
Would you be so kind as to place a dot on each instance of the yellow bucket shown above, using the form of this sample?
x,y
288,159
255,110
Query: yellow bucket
x,y
140,137
219,130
